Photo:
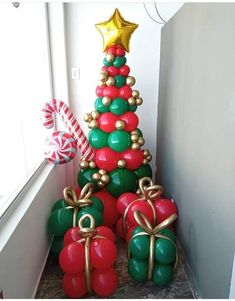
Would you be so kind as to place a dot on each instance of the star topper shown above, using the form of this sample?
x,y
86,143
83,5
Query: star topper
x,y
116,31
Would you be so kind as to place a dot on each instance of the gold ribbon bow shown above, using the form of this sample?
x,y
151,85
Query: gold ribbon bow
x,y
75,202
87,234
147,192
153,233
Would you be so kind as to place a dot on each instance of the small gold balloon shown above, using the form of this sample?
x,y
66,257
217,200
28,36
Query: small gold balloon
x,y
106,101
96,176
130,81
100,184
102,172
141,141
95,114
110,81
134,137
109,57
135,93
87,117
149,157
135,146
146,152
92,164
139,101
83,165
105,179
93,124
121,163
131,101
145,161
120,125
135,132
101,84
103,76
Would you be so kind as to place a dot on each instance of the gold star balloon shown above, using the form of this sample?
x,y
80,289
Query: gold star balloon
x,y
116,31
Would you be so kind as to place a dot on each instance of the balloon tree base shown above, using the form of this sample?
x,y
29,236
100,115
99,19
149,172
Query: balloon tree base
x,y
50,284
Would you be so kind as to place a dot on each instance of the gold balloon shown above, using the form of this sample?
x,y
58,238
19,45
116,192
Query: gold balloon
x,y
139,101
103,76
106,100
130,81
134,137
135,93
135,132
149,157
93,124
120,125
95,114
109,57
92,164
141,141
146,152
83,165
100,184
102,172
135,146
96,176
121,163
105,179
116,31
101,84
110,81
87,117
131,101
145,161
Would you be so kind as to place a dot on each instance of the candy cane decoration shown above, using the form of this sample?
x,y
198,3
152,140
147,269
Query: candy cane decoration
x,y
67,116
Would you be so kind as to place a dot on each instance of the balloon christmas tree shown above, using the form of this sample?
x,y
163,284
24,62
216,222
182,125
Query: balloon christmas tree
x,y
115,137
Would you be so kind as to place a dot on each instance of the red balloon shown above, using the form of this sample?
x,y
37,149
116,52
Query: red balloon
x,y
133,158
129,234
106,232
131,120
164,208
119,229
104,282
105,68
107,122
120,52
99,91
124,200
72,258
125,92
74,286
103,253
106,158
124,70
77,190
112,50
113,71
110,213
110,91
143,207
71,235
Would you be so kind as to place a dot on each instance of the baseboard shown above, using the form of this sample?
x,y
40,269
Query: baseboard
x,y
42,270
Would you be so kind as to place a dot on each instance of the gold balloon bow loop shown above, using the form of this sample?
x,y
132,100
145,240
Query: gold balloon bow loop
x,y
87,234
75,202
147,192
153,233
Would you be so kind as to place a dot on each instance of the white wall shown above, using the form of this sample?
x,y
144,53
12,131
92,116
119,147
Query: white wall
x,y
84,51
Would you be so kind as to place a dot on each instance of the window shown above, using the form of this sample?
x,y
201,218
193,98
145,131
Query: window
x,y
24,88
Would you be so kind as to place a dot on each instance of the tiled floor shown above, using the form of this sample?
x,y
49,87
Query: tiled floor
x,y
50,285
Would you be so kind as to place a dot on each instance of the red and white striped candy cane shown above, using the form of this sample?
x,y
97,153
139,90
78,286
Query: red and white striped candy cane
x,y
67,116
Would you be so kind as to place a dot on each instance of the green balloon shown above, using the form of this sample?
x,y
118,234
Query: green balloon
x,y
168,233
132,108
162,274
57,246
59,204
137,230
94,212
119,140
107,63
97,204
121,180
138,269
144,171
98,138
119,61
85,176
119,106
100,107
139,247
164,251
119,81
60,221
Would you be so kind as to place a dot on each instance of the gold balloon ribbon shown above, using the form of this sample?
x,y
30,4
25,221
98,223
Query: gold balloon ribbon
x,y
87,234
75,202
153,233
147,192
